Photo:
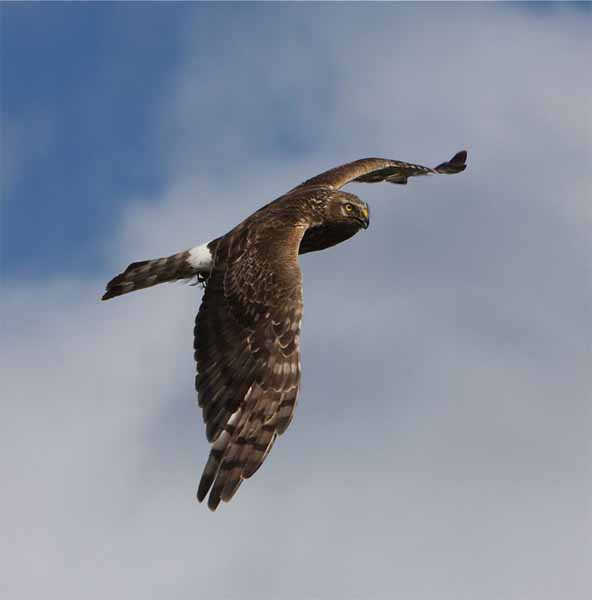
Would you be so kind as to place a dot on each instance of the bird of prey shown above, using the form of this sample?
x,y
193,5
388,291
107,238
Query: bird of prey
x,y
247,330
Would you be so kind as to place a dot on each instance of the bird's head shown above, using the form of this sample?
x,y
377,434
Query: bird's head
x,y
347,209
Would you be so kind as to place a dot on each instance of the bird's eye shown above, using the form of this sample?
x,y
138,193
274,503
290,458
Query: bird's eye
x,y
349,207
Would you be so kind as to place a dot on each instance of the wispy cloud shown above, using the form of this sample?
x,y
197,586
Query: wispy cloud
x,y
441,443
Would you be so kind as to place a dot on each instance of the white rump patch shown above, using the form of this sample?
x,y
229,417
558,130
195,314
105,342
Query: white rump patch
x,y
200,258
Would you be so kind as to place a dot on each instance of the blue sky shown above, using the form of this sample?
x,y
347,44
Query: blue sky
x,y
441,445
82,88
81,83
81,98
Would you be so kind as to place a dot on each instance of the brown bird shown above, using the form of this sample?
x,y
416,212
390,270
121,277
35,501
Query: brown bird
x,y
247,330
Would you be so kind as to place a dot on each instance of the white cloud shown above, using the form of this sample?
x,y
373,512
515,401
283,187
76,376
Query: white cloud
x,y
441,442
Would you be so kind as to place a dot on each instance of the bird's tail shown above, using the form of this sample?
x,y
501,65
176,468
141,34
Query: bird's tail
x,y
146,273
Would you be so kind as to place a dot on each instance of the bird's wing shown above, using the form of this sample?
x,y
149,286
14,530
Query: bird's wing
x,y
247,351
374,170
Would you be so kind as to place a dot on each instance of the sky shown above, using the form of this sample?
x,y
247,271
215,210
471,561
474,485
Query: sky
x,y
441,445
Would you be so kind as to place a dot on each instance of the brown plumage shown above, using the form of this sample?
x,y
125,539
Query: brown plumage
x,y
146,273
247,330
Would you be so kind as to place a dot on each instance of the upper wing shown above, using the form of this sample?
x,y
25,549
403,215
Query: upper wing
x,y
247,351
373,170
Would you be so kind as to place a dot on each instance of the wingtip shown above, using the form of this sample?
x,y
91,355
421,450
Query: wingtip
x,y
205,484
201,493
212,505
456,164
213,502
460,157
111,292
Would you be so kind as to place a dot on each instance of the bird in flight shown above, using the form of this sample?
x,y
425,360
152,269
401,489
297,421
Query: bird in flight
x,y
247,330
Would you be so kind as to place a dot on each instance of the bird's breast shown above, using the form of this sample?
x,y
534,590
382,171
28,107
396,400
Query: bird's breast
x,y
324,236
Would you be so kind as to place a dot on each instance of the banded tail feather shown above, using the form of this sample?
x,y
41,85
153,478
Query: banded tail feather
x,y
146,273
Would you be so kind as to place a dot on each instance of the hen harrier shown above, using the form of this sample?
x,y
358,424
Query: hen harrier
x,y
247,329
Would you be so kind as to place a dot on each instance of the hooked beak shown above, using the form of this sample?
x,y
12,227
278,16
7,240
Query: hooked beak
x,y
365,220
